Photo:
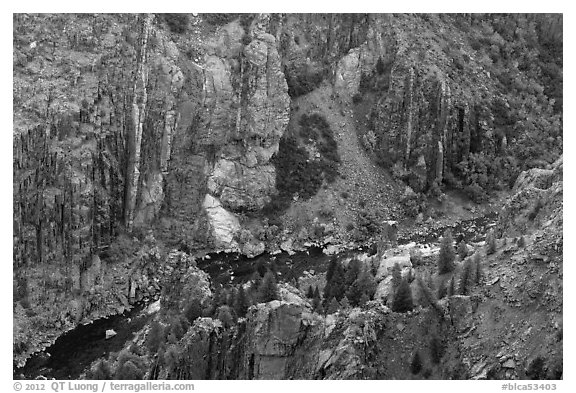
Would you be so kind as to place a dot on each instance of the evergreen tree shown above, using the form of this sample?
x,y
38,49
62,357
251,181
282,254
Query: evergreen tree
x,y
462,250
363,299
268,289
416,363
478,268
427,297
256,282
345,303
128,371
354,293
310,292
403,298
352,272
241,303
436,350
333,306
451,287
490,242
396,276
155,337
316,299
380,66
102,371
442,290
447,254
225,316
192,311
335,286
465,277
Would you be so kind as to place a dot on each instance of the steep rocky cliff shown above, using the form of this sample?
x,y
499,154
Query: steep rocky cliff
x,y
135,135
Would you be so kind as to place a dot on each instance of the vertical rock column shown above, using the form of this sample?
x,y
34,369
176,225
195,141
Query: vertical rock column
x,y
135,136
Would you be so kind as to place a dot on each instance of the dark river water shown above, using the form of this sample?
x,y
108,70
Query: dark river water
x,y
76,350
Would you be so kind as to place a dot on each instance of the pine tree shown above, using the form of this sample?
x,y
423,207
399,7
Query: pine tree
x,y
451,287
462,250
241,303
155,337
396,276
436,350
310,292
427,297
447,254
268,289
442,290
416,363
102,371
345,303
335,286
333,306
225,316
465,277
403,298
363,299
192,311
478,268
490,242
352,272
316,301
380,66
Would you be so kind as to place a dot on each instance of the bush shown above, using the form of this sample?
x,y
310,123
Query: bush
x,y
303,79
357,98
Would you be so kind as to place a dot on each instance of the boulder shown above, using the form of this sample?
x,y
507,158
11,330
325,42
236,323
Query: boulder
x,y
223,224
110,333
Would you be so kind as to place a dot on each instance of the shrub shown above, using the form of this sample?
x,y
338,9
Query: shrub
x,y
357,98
447,254
303,79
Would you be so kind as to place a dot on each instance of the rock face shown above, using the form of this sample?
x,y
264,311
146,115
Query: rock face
x,y
537,200
245,114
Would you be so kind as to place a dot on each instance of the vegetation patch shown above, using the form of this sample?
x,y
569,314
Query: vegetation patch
x,y
298,174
